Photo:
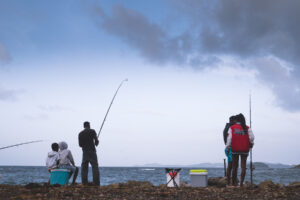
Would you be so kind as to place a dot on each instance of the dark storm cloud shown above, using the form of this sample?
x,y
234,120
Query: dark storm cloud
x,y
248,28
266,33
151,41
282,81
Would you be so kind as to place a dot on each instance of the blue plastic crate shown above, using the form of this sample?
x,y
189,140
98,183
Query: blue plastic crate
x,y
59,176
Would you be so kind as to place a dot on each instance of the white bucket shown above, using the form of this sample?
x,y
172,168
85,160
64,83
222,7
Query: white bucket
x,y
171,182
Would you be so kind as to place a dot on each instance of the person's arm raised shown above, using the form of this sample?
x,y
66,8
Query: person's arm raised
x,y
96,138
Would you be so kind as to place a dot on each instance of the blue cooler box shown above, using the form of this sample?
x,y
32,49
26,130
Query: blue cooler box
x,y
59,176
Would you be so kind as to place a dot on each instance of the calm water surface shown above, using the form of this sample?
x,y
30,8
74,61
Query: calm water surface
x,y
26,174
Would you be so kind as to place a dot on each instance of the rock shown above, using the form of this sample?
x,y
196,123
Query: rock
x,y
56,185
32,185
138,184
247,184
297,166
115,186
145,190
267,184
295,184
280,185
184,184
217,181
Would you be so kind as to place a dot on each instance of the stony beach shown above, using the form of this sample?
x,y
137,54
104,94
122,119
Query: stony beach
x,y
145,190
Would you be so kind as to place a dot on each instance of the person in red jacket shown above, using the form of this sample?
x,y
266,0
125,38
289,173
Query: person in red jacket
x,y
240,138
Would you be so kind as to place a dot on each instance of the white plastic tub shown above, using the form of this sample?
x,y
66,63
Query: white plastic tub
x,y
198,177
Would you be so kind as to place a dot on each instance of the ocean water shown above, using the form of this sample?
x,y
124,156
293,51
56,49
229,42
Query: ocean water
x,y
108,175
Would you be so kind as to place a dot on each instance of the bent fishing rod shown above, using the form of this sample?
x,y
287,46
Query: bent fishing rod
x,y
20,144
110,106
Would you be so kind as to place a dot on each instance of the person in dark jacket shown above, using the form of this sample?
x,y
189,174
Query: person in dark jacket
x,y
87,141
240,140
232,120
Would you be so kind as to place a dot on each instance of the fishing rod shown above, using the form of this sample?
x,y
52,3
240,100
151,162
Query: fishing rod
x,y
21,144
110,106
251,167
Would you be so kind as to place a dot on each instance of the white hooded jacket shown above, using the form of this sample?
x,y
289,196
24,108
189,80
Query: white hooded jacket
x,y
52,158
65,155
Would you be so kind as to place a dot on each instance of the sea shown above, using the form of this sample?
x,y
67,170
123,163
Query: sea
x,y
22,175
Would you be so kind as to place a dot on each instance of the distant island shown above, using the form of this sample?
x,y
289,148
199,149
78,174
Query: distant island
x,y
220,165
257,165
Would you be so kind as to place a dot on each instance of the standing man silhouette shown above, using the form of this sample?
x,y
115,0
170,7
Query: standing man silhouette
x,y
87,141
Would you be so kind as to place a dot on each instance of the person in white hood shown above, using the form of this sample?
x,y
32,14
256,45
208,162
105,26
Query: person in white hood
x,y
52,157
66,160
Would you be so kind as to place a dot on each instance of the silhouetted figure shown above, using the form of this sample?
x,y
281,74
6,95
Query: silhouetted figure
x,y
232,121
241,139
87,141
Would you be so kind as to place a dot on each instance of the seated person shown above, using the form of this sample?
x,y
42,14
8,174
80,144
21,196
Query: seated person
x,y
52,160
66,159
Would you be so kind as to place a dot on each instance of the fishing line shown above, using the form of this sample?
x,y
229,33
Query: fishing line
x,y
20,144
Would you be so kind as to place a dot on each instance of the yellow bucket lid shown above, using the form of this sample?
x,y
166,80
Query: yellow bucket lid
x,y
197,170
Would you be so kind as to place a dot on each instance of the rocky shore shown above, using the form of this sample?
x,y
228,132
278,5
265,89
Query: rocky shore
x,y
297,166
145,190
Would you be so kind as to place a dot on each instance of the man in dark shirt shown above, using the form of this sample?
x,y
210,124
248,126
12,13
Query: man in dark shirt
x,y
87,141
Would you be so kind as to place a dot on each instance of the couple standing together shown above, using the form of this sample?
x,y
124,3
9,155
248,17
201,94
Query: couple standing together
x,y
239,139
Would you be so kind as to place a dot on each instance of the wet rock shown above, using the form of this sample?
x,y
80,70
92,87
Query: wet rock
x,y
295,184
32,185
217,181
56,185
267,184
184,184
297,166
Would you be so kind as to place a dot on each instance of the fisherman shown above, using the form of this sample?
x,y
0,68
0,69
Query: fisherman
x,y
232,121
66,159
87,141
52,160
240,139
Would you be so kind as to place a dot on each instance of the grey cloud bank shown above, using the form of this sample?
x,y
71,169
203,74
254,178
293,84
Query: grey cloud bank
x,y
148,38
4,56
262,35
8,95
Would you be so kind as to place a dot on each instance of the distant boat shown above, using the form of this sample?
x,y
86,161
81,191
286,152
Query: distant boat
x,y
148,169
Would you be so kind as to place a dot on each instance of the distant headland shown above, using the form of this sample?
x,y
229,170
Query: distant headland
x,y
220,165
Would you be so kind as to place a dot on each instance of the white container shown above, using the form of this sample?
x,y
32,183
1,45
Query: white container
x,y
170,183
198,177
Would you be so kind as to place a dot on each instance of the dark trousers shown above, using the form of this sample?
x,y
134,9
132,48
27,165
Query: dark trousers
x,y
235,165
90,157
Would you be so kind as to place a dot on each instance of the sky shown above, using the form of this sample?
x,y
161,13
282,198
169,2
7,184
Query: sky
x,y
190,64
